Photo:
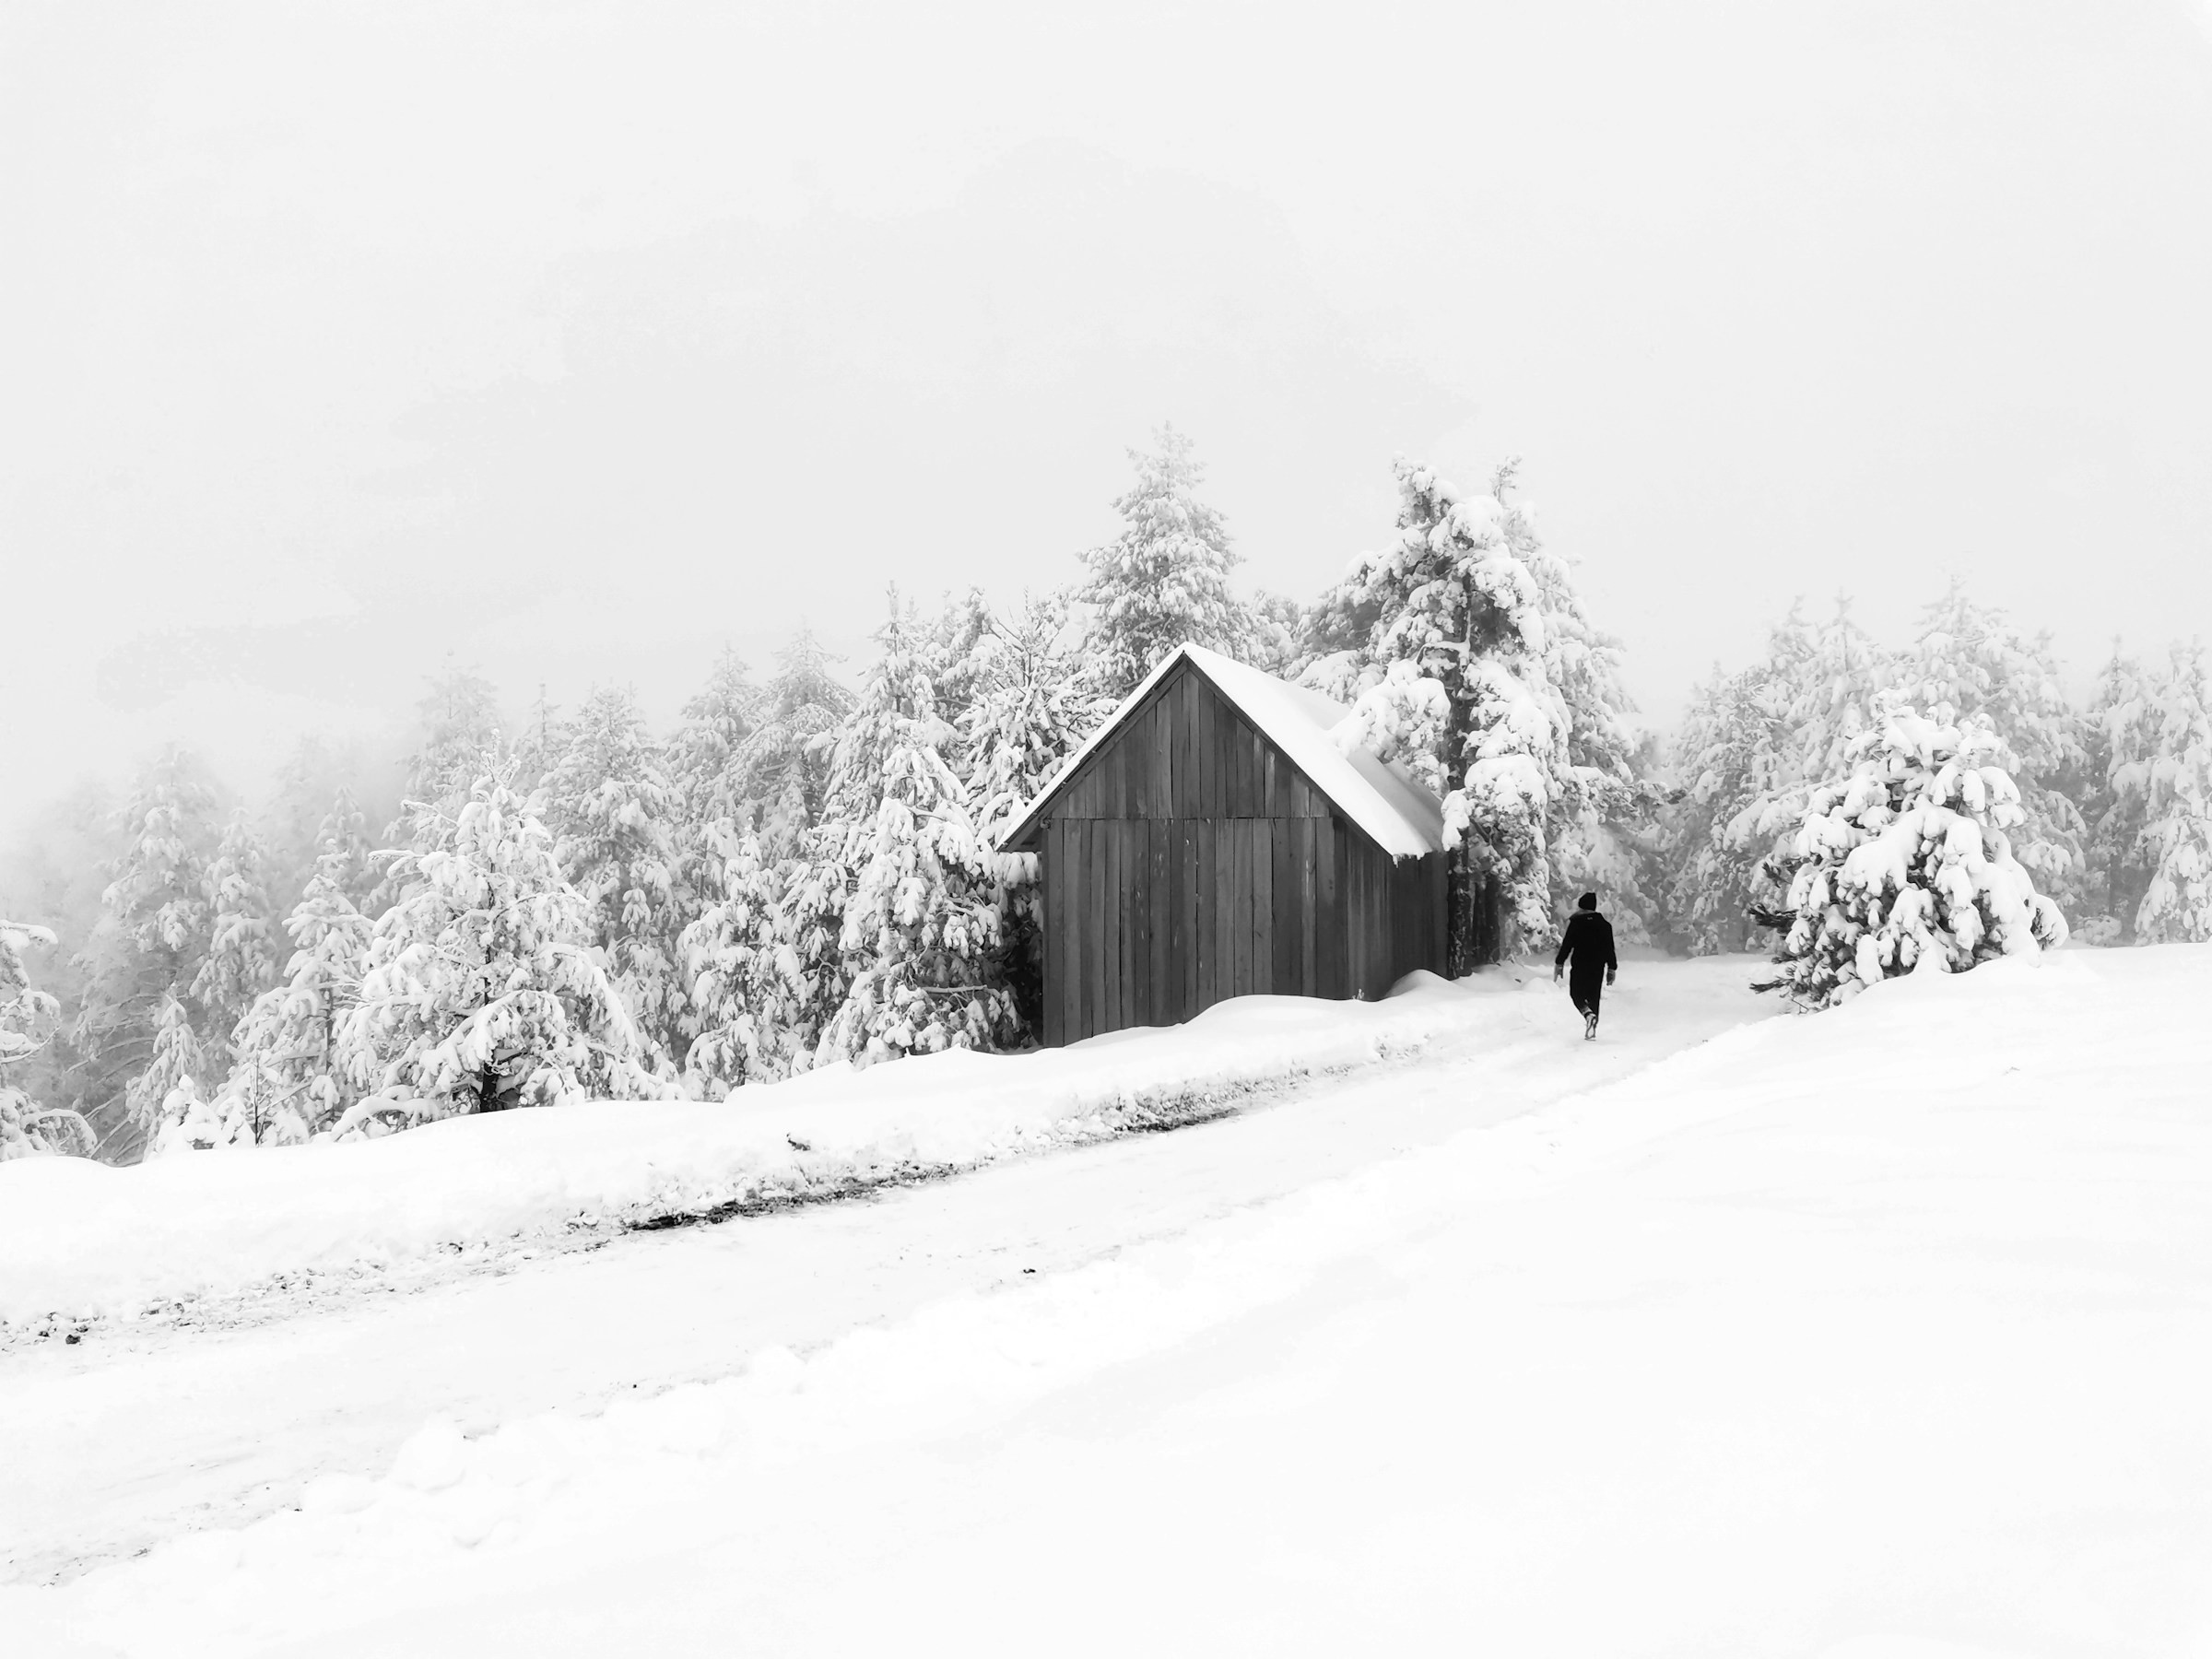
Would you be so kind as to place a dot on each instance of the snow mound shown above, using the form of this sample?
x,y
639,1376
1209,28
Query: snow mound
x,y
83,1241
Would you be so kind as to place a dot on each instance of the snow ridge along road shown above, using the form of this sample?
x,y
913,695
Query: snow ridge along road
x,y
148,1431
84,1242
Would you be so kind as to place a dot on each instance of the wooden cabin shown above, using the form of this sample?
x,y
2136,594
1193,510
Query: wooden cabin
x,y
1210,841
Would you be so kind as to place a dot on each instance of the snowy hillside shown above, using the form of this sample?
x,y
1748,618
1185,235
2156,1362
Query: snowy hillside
x,y
1878,1334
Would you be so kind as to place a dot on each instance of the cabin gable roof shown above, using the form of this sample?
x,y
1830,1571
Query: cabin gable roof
x,y
1382,801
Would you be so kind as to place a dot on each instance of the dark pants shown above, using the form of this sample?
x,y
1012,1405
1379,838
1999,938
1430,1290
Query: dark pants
x,y
1586,989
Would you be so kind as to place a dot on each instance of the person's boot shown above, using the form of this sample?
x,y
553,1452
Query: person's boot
x,y
1589,1028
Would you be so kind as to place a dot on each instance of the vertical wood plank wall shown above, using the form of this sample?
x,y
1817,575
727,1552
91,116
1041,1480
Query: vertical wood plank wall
x,y
1189,861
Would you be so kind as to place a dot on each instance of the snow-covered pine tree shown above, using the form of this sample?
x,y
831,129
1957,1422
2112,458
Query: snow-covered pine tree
x,y
1457,600
2173,782
744,996
459,743
1280,630
286,1082
178,1057
614,817
139,1029
1728,758
480,990
1904,861
920,938
294,821
29,1018
344,856
1820,682
1165,578
787,756
539,741
1601,826
951,649
1968,655
242,961
706,757
2119,733
1030,707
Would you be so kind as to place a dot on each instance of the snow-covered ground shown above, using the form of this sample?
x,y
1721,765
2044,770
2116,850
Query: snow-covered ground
x,y
1882,1333
85,1242
146,1429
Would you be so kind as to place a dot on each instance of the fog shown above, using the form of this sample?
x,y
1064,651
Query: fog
x,y
568,342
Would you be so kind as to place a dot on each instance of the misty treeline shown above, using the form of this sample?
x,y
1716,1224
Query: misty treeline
x,y
573,905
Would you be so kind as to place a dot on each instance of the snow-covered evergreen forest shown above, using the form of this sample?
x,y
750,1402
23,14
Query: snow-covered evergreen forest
x,y
569,903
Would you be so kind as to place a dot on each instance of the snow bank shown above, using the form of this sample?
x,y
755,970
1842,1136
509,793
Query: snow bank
x,y
1884,1332
83,1241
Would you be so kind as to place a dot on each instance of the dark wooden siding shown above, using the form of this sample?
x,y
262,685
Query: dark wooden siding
x,y
1190,861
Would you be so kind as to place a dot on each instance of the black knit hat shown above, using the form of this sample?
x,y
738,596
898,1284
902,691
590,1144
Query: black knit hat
x,y
1589,900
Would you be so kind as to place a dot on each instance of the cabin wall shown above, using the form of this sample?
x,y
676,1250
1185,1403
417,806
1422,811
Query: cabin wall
x,y
1191,862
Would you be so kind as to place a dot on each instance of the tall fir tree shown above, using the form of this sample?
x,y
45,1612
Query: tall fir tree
x,y
787,756
920,939
459,742
2118,734
1031,705
139,1030
744,983
706,757
480,990
540,740
2173,782
28,1021
1458,600
1728,757
242,961
286,1082
1165,578
614,817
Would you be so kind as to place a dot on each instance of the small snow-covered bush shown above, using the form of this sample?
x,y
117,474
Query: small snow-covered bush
x,y
1905,863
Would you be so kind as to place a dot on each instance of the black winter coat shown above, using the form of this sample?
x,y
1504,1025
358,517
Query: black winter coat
x,y
1588,943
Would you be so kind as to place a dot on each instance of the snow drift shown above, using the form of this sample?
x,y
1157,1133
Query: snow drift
x,y
82,1240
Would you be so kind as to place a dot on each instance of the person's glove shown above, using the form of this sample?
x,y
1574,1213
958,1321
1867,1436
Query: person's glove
x,y
1558,973
1609,973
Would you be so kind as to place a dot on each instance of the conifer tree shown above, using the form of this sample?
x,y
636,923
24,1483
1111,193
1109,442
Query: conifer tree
x,y
1969,657
242,957
1459,600
613,814
1904,863
2173,784
480,990
787,756
285,1081
920,936
2118,734
459,743
29,1018
316,772
139,1030
1817,690
1031,708
706,760
539,742
1164,579
744,1000
1729,758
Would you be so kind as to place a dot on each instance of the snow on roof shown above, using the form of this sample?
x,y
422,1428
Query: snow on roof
x,y
1398,814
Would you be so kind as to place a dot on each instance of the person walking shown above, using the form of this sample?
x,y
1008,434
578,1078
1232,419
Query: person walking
x,y
1587,944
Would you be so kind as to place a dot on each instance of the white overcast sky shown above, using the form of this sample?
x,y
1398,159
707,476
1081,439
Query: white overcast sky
x,y
568,340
